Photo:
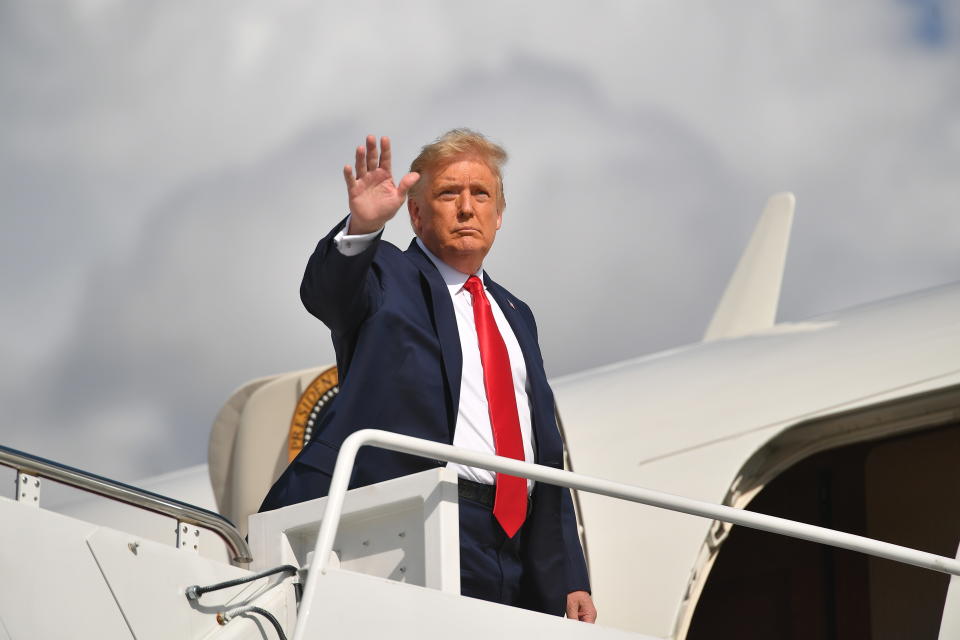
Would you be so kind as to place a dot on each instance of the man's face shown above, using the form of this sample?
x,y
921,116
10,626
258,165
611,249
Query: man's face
x,y
456,212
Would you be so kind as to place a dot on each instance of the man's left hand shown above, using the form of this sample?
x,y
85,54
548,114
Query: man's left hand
x,y
580,607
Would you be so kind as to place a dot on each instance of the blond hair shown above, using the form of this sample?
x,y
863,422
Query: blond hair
x,y
458,143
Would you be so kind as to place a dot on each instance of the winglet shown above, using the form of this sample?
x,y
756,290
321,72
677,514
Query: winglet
x,y
750,302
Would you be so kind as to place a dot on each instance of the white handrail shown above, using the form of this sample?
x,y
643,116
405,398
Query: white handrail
x,y
540,473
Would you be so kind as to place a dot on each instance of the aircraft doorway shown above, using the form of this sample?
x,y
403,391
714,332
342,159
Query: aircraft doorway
x,y
904,490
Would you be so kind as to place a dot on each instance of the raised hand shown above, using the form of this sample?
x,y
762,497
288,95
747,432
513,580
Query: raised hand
x,y
373,197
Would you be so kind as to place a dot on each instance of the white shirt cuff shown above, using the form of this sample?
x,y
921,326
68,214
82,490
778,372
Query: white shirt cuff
x,y
353,244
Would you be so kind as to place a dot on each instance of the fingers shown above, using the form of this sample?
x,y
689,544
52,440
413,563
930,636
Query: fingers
x,y
588,614
373,156
369,158
385,155
360,162
580,607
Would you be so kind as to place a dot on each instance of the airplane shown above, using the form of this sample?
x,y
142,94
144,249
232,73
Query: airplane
x,y
848,421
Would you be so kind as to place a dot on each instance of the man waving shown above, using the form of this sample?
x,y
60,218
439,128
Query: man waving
x,y
429,346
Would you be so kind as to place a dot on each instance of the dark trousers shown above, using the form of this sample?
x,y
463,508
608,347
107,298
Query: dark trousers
x,y
490,564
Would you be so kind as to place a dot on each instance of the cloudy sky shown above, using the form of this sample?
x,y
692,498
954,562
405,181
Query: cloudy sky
x,y
166,168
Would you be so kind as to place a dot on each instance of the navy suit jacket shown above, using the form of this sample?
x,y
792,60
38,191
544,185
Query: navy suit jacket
x,y
399,360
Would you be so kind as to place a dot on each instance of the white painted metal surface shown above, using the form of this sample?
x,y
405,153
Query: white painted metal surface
x,y
34,551
223,438
28,489
257,437
750,301
64,578
405,529
670,402
540,473
350,605
687,420
31,468
189,485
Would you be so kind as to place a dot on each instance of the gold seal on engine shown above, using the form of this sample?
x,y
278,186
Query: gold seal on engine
x,y
315,397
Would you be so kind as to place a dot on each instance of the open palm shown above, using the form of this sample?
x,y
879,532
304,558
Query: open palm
x,y
373,197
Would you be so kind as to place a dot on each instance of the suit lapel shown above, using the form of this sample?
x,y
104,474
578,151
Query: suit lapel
x,y
445,324
536,376
528,344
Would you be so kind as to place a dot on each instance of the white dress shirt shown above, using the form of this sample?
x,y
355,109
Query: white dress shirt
x,y
473,429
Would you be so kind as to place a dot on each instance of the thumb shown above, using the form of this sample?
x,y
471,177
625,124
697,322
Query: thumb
x,y
407,182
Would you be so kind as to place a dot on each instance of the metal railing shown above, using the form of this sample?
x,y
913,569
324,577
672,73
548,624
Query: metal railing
x,y
569,479
184,513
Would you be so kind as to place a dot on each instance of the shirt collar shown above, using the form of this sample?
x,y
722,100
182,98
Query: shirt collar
x,y
451,277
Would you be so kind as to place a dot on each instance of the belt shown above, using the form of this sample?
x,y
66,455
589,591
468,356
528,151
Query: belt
x,y
483,493
476,491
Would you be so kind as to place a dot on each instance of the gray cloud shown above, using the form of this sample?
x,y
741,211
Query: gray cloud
x,y
164,180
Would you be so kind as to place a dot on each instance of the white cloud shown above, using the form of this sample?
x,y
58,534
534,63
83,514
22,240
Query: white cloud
x,y
168,168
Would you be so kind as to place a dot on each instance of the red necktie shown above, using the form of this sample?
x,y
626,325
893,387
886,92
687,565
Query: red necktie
x,y
510,503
